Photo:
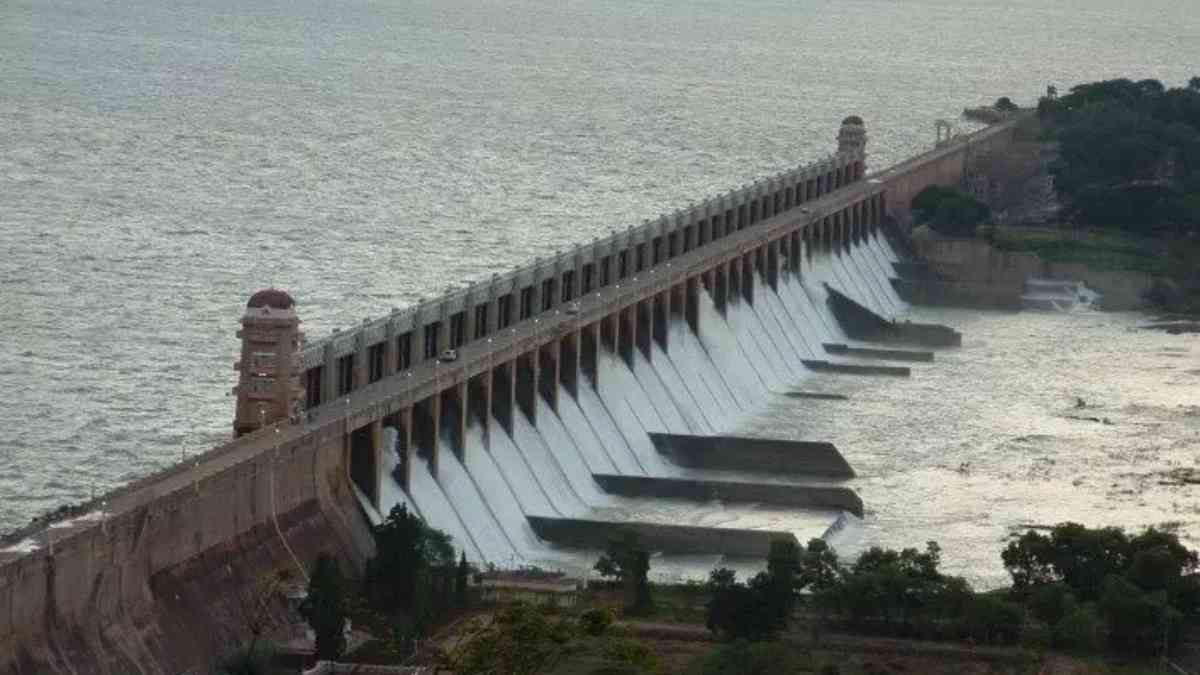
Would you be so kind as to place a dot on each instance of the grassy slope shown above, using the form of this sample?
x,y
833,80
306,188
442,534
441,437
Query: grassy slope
x,y
1099,249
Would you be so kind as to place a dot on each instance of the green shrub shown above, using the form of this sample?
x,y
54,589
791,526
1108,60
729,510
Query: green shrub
x,y
1052,602
631,652
751,658
1080,630
992,620
596,621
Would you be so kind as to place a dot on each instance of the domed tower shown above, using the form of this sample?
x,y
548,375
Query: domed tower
x,y
852,137
268,388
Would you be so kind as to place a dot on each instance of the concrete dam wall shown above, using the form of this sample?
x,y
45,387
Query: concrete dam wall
x,y
561,372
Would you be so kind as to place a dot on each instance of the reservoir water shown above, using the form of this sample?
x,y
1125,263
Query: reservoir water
x,y
160,162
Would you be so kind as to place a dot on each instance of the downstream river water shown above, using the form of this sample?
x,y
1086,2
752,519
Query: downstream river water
x,y
161,161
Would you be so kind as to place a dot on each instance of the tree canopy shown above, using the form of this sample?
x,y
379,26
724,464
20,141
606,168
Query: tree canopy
x,y
1088,584
325,608
1129,154
950,211
413,571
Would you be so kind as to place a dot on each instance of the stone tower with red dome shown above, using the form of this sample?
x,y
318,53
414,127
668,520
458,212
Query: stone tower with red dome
x,y
268,388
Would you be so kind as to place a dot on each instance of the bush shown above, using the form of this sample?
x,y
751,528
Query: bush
x,y
746,658
991,620
596,622
630,652
949,211
1052,602
1081,630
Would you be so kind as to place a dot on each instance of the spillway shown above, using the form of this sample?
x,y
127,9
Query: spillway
x,y
747,351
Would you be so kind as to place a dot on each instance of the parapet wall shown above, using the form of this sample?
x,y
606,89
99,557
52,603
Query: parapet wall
x,y
946,166
102,599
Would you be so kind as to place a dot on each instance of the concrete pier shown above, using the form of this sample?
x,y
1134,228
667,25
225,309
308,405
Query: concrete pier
x,y
817,396
855,369
776,494
881,354
753,455
656,537
860,323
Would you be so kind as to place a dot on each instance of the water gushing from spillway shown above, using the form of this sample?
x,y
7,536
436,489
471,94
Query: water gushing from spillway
x,y
744,356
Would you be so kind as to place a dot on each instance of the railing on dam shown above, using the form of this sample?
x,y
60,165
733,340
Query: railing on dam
x,y
348,360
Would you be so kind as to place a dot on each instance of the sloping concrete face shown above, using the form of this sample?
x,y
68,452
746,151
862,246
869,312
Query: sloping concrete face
x,y
800,496
759,455
654,537
162,589
861,323
193,613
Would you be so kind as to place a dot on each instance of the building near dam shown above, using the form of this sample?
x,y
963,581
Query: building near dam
x,y
531,415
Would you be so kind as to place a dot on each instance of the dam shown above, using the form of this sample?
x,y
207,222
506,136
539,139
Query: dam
x,y
529,415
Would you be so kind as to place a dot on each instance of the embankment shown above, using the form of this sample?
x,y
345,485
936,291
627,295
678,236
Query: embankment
x,y
973,272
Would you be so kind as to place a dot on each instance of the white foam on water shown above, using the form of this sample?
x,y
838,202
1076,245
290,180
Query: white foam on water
x,y
783,331
803,317
860,277
534,500
673,419
727,354
696,407
702,384
632,412
871,267
474,511
499,494
589,440
437,510
702,379
564,449
601,420
391,494
545,466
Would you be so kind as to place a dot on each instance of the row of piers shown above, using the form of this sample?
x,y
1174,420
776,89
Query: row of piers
x,y
562,349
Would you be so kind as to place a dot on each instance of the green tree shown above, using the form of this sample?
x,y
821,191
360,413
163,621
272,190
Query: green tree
x,y
626,562
1052,602
1138,622
950,211
325,608
755,611
1005,104
819,566
1081,630
412,568
461,576
993,620
516,640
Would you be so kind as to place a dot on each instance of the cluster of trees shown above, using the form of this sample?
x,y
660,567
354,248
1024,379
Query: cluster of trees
x,y
411,582
950,211
525,640
762,607
1129,154
1073,587
1101,587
